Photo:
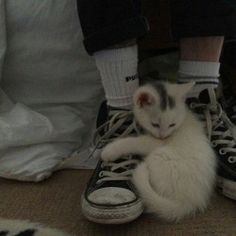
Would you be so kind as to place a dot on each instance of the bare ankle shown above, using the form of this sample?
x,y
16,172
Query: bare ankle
x,y
201,48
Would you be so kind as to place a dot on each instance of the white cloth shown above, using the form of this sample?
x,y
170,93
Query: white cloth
x,y
50,88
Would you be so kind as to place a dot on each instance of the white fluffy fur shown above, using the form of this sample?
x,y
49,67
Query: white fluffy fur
x,y
178,173
17,226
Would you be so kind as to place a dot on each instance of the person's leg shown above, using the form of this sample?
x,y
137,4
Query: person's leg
x,y
107,23
200,26
119,74
199,61
201,48
110,31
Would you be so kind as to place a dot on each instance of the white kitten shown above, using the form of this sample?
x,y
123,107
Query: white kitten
x,y
178,173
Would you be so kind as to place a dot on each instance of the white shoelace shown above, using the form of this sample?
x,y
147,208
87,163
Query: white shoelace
x,y
214,121
112,131
114,176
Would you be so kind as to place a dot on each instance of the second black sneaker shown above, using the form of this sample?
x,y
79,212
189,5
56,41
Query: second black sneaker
x,y
219,129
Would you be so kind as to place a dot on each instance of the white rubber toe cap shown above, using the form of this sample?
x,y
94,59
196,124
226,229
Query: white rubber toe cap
x,y
111,196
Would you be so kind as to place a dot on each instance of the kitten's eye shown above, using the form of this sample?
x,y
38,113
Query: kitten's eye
x,y
171,125
156,125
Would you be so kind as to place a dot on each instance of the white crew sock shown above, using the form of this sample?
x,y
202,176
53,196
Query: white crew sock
x,y
118,70
204,73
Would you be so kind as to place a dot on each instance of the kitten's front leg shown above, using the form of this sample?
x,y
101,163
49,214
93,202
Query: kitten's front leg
x,y
141,145
113,150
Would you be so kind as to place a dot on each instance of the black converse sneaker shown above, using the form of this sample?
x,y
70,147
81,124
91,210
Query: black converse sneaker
x,y
110,197
219,130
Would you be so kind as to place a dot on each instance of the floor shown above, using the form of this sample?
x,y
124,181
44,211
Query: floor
x,y
56,202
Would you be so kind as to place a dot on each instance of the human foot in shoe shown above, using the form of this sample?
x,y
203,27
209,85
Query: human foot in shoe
x,y
219,131
110,197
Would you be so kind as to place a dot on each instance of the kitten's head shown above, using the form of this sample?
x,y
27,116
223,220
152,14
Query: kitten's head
x,y
160,107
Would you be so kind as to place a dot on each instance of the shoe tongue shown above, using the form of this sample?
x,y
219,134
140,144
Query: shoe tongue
x,y
204,97
123,118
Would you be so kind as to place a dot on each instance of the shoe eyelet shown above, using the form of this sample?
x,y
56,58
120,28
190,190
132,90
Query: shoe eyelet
x,y
222,151
213,144
231,159
101,174
102,165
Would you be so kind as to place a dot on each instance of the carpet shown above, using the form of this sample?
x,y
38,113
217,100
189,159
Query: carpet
x,y
56,202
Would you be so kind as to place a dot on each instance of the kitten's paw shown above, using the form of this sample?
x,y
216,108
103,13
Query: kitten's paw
x,y
108,154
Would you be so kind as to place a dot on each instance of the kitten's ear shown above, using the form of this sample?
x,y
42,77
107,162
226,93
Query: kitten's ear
x,y
143,97
184,89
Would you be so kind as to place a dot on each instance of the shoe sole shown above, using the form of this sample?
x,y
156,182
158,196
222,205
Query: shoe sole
x,y
119,215
227,187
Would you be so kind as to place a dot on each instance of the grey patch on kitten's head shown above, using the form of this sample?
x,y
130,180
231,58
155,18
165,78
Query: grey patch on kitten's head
x,y
159,107
165,99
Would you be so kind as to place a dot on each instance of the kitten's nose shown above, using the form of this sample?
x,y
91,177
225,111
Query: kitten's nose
x,y
162,136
